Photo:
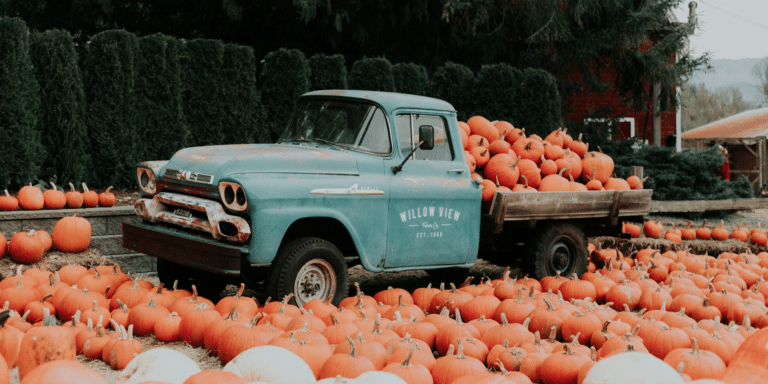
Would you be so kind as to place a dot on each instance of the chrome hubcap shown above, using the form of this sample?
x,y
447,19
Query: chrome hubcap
x,y
315,280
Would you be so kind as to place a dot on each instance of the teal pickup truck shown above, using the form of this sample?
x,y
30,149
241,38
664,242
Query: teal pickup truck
x,y
357,177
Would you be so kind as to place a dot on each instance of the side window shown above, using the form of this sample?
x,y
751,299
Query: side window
x,y
375,137
408,136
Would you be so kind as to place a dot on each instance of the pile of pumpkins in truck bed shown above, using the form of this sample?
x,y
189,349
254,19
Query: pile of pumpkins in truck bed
x,y
508,160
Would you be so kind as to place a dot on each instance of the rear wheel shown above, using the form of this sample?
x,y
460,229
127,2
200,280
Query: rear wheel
x,y
558,247
310,268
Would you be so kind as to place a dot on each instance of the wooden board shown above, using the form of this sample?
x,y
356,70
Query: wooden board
x,y
708,205
570,205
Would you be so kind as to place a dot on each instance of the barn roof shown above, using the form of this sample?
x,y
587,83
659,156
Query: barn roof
x,y
747,124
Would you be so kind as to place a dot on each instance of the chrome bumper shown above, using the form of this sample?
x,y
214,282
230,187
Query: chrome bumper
x,y
217,222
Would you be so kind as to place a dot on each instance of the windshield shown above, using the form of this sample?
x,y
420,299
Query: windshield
x,y
345,124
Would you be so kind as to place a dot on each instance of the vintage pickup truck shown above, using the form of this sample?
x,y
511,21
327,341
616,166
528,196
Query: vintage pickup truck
x,y
357,177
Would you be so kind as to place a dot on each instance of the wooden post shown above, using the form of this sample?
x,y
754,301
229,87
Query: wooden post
x,y
636,170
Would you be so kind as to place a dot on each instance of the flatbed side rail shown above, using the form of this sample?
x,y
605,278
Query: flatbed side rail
x,y
531,206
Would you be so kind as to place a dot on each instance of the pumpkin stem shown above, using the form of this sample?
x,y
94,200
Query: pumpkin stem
x,y
85,187
49,321
240,291
352,351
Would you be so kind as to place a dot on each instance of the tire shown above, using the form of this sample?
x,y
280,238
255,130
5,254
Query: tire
x,y
310,268
558,247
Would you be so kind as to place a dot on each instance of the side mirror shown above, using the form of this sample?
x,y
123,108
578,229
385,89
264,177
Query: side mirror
x,y
427,137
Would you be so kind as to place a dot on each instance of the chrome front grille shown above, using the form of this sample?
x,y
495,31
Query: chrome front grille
x,y
192,177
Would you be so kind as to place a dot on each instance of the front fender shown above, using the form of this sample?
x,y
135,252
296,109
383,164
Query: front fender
x,y
270,225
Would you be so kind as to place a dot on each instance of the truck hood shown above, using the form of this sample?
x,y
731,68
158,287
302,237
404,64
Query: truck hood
x,y
222,160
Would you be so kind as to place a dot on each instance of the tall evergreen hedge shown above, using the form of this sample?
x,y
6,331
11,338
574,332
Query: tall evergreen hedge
x,y
411,78
496,93
538,102
454,83
109,76
201,62
160,127
62,119
239,98
284,77
327,72
21,150
372,74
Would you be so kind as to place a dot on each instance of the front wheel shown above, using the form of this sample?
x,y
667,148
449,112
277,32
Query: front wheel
x,y
310,268
559,247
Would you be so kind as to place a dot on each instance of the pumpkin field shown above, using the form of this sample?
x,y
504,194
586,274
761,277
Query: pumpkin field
x,y
668,302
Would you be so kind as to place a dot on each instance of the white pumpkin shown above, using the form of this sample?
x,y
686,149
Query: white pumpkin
x,y
632,368
272,364
379,377
341,380
159,364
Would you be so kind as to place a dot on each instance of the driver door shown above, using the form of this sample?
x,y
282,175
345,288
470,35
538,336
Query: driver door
x,y
433,210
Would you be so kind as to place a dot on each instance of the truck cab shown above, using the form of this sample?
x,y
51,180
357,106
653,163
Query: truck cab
x,y
356,177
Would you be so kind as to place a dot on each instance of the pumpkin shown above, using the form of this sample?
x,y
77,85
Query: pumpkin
x,y
31,197
488,189
42,344
531,171
451,367
530,149
470,160
499,146
63,372
107,198
26,248
3,245
268,363
653,229
72,234
8,202
578,147
555,183
698,364
193,323
160,365
124,349
9,341
410,373
53,198
635,182
465,128
479,125
503,168
563,366
212,376
315,354
481,155
90,198
598,165
703,232
74,198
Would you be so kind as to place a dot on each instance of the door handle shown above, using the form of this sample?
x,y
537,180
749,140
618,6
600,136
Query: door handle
x,y
459,171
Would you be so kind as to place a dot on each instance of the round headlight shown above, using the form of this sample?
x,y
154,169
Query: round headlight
x,y
233,196
146,180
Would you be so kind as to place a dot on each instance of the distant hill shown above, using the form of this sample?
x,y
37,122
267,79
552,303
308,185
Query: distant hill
x,y
726,73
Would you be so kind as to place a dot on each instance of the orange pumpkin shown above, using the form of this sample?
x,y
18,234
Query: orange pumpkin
x,y
31,197
464,127
46,239
107,198
555,183
479,125
578,147
43,344
503,168
597,165
72,234
503,127
74,198
63,372
8,202
26,248
53,198
90,198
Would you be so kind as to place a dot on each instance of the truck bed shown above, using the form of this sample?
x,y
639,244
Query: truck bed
x,y
534,206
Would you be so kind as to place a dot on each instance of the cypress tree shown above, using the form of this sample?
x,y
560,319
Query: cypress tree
x,y
411,78
284,77
160,126
454,83
496,93
62,122
239,96
109,77
201,64
21,149
327,72
538,102
372,74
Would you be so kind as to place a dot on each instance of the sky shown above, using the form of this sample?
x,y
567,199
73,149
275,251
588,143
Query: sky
x,y
729,29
